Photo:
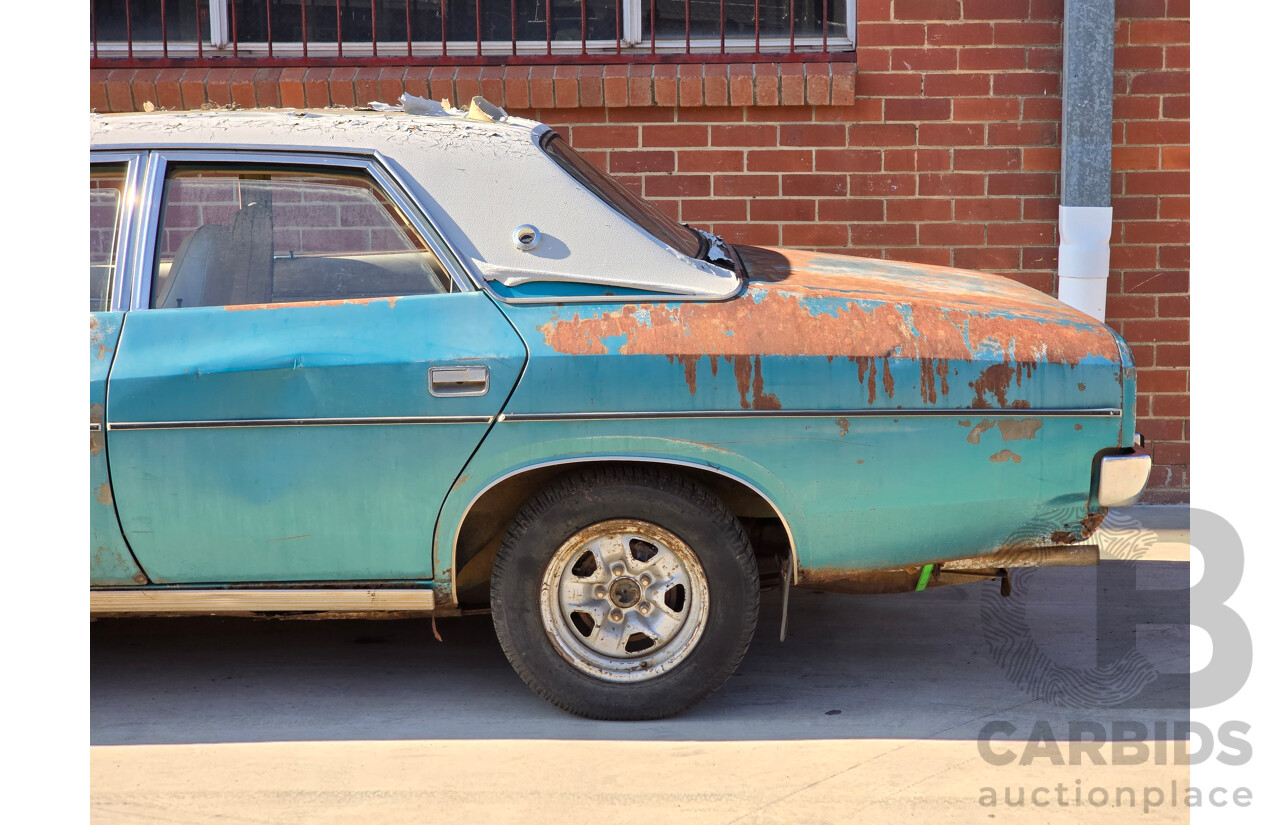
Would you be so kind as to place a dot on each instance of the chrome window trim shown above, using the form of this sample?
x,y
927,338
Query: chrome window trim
x,y
126,246
1019,412
614,458
370,163
115,426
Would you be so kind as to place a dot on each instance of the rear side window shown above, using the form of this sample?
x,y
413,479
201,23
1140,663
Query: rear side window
x,y
260,235
106,207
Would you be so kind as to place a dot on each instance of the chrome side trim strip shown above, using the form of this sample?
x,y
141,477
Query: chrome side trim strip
x,y
298,422
914,413
94,427
711,468
171,600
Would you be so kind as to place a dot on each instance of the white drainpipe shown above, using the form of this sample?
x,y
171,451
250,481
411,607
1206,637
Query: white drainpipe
x,y
1084,258
1084,216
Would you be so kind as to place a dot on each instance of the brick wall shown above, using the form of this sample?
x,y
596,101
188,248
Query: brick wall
x,y
941,146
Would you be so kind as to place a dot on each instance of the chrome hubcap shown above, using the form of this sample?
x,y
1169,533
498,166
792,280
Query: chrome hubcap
x,y
624,600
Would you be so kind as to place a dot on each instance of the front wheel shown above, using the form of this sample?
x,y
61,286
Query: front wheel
x,y
625,593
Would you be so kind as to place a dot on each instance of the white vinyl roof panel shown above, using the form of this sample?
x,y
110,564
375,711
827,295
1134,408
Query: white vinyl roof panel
x,y
477,181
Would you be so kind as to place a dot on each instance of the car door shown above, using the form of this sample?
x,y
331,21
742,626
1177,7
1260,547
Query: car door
x,y
305,378
112,180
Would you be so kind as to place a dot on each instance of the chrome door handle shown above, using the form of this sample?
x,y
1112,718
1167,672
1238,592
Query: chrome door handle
x,y
444,382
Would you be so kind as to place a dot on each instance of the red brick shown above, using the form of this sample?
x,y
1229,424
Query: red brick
x,y
815,235
642,161
119,90
1177,57
988,257
954,34
1042,108
142,88
916,109
640,85
917,209
1175,306
492,86
417,81
1041,257
342,88
1131,157
815,185
996,9
677,186
644,114
606,137
984,109
591,86
1041,159
1171,405
744,135
1129,58
1041,208
1175,157
674,135
1022,183
690,85
779,160
917,160
745,186
1135,208
1162,331
952,234
934,184
1025,83
767,91
1163,82
1173,355
1028,33
168,89
987,209
842,84
1175,257
266,87
217,85
817,85
712,114
791,79
366,86
1023,134
615,86
1002,58
1159,133
930,59
1161,429
866,210
1024,233
666,91
951,134
564,84
889,84
926,9
847,160
713,160
816,134
875,134
1129,107
1173,208
750,233
957,85
441,84
921,255
883,234
1159,380
987,159
890,34
778,209
713,209
315,86
742,89
886,185
1157,183
1158,282
1160,31
715,85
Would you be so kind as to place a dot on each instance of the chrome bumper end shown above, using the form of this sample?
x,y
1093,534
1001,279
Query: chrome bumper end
x,y
1121,479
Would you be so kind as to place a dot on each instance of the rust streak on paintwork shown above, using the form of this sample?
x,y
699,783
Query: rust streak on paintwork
x,y
843,424
975,435
390,302
762,400
103,494
1006,455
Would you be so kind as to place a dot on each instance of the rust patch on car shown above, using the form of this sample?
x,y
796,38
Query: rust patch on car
x,y
975,435
1004,456
1080,386
933,374
103,494
1079,427
96,443
843,424
1019,429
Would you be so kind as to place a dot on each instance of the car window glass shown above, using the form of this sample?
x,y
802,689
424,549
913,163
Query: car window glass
x,y
260,235
106,199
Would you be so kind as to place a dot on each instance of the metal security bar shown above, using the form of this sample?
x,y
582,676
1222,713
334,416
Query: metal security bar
x,y
264,33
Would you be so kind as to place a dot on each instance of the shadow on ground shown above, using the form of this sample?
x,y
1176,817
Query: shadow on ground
x,y
913,666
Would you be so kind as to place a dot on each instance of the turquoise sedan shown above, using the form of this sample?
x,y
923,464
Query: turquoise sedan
x,y
427,360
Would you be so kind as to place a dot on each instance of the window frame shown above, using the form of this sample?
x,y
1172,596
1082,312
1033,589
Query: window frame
x,y
152,197
219,40
126,242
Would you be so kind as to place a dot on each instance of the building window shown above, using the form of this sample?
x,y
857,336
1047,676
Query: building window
x,y
466,28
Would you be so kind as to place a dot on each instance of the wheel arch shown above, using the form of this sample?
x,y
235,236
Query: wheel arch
x,y
472,543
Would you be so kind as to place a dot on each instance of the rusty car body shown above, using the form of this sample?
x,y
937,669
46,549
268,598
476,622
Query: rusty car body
x,y
392,427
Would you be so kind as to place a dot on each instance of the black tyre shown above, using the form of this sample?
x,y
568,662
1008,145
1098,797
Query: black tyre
x,y
625,593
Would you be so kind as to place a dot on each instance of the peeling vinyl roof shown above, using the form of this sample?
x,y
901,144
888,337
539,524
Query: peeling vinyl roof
x,y
476,180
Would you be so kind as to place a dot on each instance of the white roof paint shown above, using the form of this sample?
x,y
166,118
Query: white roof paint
x,y
477,181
